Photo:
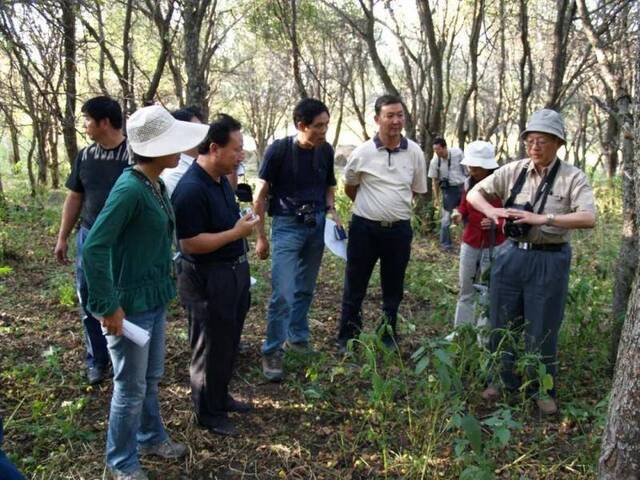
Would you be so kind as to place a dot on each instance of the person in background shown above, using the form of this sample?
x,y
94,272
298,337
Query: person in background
x,y
447,175
171,176
381,178
480,235
93,173
127,259
544,199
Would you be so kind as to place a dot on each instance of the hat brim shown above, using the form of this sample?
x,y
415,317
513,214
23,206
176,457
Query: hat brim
x,y
486,163
542,129
182,136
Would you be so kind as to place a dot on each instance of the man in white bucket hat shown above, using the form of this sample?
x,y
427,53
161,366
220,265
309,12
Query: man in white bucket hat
x,y
127,260
480,235
545,198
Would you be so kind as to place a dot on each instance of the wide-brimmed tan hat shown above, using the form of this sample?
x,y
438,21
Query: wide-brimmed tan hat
x,y
545,121
480,154
153,132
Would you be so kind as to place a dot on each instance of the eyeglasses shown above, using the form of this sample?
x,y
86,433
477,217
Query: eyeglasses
x,y
540,142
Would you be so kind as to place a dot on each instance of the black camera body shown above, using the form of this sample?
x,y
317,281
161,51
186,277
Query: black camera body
x,y
306,214
517,230
444,183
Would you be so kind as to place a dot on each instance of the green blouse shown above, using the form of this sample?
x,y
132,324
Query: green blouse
x,y
127,254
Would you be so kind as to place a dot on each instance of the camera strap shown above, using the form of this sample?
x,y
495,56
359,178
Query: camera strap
x,y
448,164
543,189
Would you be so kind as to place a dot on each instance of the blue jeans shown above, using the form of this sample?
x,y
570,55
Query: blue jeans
x,y
8,471
296,257
95,342
134,418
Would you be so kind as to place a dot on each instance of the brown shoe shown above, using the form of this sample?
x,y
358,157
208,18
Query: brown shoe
x,y
490,394
547,406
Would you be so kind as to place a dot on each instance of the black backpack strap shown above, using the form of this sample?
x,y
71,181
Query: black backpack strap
x,y
517,187
545,187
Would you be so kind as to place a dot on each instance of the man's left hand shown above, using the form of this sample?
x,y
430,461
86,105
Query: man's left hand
x,y
530,218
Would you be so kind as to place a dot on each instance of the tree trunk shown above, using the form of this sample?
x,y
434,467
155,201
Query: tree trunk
x,y
526,71
620,454
54,162
565,12
69,12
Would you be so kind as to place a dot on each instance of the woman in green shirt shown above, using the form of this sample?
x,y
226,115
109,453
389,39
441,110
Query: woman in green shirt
x,y
127,262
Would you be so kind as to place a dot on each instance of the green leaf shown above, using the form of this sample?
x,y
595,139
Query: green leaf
x,y
547,382
422,364
472,431
476,473
503,435
444,357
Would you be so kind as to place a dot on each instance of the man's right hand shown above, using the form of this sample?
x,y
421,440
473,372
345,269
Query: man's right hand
x,y
113,322
262,247
244,226
496,214
61,251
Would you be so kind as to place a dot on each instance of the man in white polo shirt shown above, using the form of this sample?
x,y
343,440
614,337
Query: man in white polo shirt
x,y
381,177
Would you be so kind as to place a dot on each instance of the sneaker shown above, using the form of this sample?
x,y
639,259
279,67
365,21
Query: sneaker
x,y
96,375
272,366
490,394
137,475
302,348
166,449
547,406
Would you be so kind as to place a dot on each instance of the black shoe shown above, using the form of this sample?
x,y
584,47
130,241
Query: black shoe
x,y
341,346
243,347
96,375
221,426
237,406
389,341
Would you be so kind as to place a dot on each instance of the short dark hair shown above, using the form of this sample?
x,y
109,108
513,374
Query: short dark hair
x,y
219,132
103,107
386,100
440,141
307,109
140,158
187,113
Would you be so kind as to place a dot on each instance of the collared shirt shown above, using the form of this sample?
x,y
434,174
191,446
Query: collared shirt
x,y
203,205
457,175
570,193
386,179
171,176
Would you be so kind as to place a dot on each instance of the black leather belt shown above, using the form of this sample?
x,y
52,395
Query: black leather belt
x,y
382,223
237,261
545,247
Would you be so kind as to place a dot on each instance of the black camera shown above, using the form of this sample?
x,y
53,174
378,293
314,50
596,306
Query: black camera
x,y
444,183
517,230
306,214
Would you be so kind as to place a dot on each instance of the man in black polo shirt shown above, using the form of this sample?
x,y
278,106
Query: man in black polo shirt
x,y
95,169
296,176
213,273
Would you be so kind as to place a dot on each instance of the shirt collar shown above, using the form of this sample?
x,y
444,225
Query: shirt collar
x,y
202,173
532,169
404,144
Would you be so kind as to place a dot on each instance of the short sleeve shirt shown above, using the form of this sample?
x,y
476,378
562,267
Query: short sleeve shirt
x,y
386,179
93,173
570,192
289,187
456,174
203,205
171,176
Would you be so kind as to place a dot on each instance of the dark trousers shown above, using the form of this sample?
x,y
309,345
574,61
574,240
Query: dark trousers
x,y
528,293
368,242
217,300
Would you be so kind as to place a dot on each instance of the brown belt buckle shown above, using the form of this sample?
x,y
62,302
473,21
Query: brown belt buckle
x,y
385,224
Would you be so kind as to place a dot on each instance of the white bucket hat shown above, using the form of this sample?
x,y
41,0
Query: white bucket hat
x,y
545,121
153,132
480,154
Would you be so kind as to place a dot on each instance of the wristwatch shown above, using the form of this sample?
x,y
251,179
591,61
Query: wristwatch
x,y
550,218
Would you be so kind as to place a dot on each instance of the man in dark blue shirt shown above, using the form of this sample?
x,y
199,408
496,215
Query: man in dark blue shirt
x,y
297,180
213,272
95,170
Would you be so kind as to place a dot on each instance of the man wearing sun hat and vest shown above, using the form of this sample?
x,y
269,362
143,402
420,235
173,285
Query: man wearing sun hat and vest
x,y
544,199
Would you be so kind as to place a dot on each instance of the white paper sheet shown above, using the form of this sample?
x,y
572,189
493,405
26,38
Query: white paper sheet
x,y
337,247
133,332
